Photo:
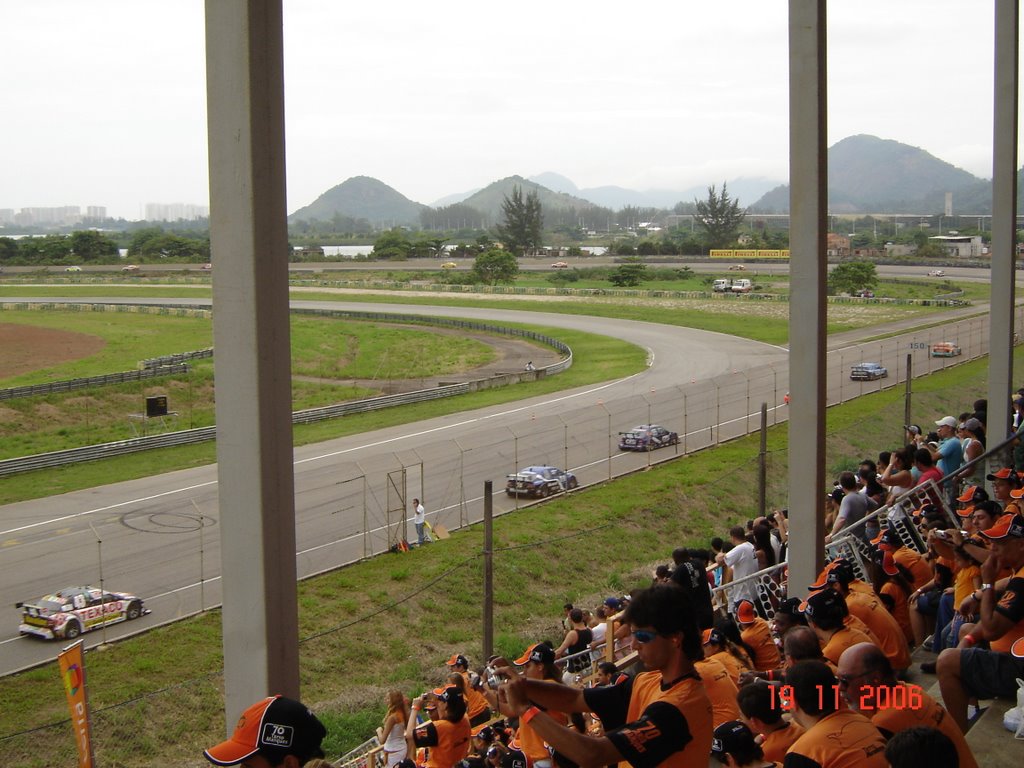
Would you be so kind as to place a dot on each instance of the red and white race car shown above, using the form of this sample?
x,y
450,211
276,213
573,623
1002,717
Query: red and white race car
x,y
69,612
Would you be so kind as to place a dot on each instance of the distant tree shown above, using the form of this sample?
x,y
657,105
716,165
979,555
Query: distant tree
x,y
648,248
154,243
852,276
495,266
392,244
51,249
89,245
719,216
8,250
628,275
524,222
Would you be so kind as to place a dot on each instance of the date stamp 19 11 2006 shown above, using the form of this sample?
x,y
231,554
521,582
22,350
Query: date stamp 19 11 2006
x,y
869,697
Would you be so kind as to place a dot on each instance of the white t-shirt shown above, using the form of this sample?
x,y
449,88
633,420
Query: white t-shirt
x,y
420,516
743,561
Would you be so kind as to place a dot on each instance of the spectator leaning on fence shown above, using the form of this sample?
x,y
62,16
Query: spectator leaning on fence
x,y
659,717
576,641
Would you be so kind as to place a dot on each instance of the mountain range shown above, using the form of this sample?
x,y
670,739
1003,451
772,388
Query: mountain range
x,y
866,174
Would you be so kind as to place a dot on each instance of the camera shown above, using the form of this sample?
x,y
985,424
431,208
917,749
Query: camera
x,y
493,681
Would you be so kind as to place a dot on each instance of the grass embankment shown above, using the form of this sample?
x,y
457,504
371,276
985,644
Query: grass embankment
x,y
391,622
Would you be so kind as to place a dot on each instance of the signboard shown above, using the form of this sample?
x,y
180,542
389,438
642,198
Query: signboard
x,y
156,406
72,671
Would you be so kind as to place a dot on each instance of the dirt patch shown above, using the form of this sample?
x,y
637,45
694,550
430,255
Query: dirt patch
x,y
25,348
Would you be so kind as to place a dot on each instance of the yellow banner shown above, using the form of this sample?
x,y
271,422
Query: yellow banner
x,y
72,672
734,254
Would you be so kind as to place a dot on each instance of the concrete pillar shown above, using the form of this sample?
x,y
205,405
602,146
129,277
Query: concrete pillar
x,y
808,177
249,242
1004,218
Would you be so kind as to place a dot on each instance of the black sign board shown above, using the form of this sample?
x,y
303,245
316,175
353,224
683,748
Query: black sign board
x,y
156,406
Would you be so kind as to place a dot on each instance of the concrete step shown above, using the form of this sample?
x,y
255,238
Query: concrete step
x,y
992,745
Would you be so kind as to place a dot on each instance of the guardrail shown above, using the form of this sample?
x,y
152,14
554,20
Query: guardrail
x,y
179,357
69,385
308,416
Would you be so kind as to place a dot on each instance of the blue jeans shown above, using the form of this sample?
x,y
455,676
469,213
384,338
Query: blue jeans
x,y
422,537
942,619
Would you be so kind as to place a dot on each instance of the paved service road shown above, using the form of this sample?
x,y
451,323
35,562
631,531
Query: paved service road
x,y
158,537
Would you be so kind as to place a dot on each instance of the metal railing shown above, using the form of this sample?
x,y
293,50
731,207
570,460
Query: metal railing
x,y
69,385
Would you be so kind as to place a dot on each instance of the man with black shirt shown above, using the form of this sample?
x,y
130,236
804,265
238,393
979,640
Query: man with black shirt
x,y
659,717
692,577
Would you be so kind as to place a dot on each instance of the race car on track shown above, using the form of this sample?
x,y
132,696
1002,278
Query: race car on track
x,y
69,612
647,437
945,349
868,372
539,482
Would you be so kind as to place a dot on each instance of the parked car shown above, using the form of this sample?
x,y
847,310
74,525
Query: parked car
x,y
868,372
738,268
647,437
559,265
864,293
72,269
449,265
130,268
539,482
70,611
936,273
945,349
207,266
741,285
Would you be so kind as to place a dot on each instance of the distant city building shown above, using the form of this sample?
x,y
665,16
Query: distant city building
x,y
6,215
175,211
62,215
96,212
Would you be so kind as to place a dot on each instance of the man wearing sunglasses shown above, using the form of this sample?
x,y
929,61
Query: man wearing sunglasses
x,y
869,685
661,717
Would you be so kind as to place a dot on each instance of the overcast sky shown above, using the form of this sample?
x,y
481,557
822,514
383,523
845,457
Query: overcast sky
x,y
104,101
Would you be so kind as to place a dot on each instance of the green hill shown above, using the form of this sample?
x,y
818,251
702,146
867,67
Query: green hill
x,y
488,200
362,197
867,174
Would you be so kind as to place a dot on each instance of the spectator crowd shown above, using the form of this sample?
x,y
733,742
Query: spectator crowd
x,y
720,658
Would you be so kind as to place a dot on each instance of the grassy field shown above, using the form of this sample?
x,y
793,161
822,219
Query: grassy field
x,y
327,356
420,607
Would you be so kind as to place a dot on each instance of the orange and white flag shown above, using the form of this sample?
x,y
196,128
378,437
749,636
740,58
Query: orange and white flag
x,y
72,672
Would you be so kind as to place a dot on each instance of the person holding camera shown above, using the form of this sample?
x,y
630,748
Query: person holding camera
x,y
447,736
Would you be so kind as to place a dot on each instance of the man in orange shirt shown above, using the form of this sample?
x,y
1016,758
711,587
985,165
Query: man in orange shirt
x,y
661,717
868,684
757,634
967,671
834,737
721,690
761,711
865,605
825,611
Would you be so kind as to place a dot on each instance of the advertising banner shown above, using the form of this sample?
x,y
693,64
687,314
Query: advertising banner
x,y
72,672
